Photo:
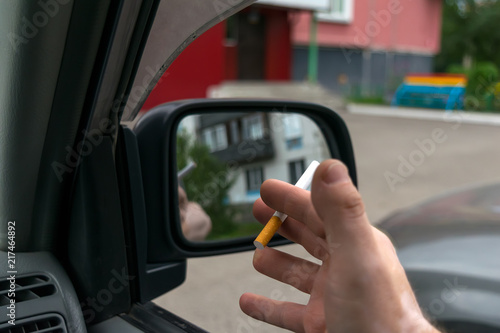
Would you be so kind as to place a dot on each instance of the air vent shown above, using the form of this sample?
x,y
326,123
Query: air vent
x,y
47,323
27,288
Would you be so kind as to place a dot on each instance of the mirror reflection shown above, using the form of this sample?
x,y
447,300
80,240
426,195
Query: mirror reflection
x,y
223,158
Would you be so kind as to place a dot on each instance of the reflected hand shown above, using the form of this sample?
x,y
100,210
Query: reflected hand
x,y
360,285
195,222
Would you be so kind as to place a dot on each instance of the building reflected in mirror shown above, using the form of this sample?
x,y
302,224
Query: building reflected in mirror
x,y
235,153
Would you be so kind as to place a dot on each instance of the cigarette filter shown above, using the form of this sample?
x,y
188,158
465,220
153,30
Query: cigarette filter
x,y
278,218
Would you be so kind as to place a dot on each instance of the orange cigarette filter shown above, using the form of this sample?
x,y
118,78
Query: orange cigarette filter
x,y
278,218
267,233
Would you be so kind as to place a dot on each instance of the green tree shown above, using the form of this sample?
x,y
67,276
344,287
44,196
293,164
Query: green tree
x,y
452,37
481,85
208,184
470,44
470,33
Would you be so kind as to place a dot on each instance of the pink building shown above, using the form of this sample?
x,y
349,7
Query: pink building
x,y
369,44
364,45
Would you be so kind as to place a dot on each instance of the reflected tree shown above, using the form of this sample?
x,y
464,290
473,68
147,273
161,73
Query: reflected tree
x,y
208,184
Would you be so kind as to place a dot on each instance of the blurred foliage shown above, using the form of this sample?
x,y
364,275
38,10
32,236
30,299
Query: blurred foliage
x,y
375,95
377,100
470,45
208,184
238,230
482,81
470,33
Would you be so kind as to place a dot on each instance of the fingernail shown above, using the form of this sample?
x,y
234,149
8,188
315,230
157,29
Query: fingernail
x,y
336,173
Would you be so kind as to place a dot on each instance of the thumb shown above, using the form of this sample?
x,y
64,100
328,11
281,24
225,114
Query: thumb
x,y
338,203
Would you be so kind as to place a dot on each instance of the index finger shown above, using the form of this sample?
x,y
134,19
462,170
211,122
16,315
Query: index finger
x,y
286,315
293,230
293,201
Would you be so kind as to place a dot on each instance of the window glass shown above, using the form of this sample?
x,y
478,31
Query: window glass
x,y
408,148
292,144
253,128
292,126
296,168
207,138
215,137
255,178
231,31
235,132
220,137
340,11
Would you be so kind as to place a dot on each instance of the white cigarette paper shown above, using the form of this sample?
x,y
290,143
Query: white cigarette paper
x,y
273,225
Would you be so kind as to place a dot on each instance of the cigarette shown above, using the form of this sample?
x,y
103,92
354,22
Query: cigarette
x,y
278,218
183,173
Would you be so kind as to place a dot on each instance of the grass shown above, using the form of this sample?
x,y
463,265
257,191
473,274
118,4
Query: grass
x,y
377,100
237,230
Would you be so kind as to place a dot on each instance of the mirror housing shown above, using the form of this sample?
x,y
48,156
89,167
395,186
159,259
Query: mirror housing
x,y
156,139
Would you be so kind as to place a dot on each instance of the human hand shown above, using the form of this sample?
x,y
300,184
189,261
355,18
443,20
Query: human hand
x,y
195,222
183,201
198,223
360,285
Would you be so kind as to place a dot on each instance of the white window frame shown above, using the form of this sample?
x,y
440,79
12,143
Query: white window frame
x,y
345,15
255,178
235,132
253,127
215,137
207,139
220,137
298,4
299,167
292,125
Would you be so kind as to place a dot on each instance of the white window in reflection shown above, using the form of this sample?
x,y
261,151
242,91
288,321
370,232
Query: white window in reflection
x,y
215,137
296,169
293,132
253,127
235,133
255,178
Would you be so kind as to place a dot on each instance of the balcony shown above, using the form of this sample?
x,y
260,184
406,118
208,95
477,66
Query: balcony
x,y
247,151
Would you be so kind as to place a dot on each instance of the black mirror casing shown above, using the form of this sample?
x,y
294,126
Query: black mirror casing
x,y
156,138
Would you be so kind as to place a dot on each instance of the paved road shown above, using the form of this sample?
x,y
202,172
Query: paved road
x,y
459,156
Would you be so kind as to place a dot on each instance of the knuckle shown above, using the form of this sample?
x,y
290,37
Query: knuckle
x,y
352,204
315,323
257,262
256,208
289,202
314,223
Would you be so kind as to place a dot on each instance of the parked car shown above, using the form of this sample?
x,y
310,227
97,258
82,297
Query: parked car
x,y
449,247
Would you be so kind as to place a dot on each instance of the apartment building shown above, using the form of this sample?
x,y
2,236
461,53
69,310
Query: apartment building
x,y
257,146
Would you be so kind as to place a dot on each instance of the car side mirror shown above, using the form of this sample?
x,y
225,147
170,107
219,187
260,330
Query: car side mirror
x,y
213,155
